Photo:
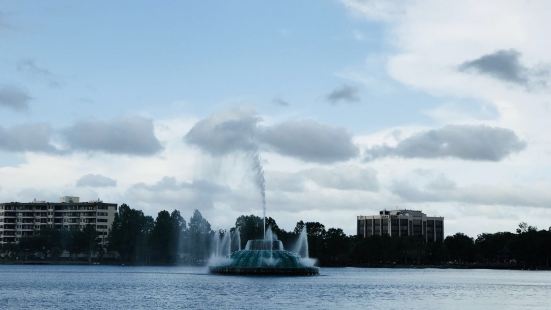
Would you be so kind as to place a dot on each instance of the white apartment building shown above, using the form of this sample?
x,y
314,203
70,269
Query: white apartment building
x,y
19,220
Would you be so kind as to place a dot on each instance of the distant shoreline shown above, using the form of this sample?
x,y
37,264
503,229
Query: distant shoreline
x,y
387,266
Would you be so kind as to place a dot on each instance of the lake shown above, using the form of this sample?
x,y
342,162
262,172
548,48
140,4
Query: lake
x,y
119,287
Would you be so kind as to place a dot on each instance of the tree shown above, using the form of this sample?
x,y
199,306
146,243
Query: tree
x,y
178,231
532,248
316,234
523,227
250,227
89,239
314,229
129,234
336,247
494,248
200,235
54,241
161,238
460,248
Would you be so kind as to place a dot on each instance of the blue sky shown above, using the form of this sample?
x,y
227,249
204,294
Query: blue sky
x,y
113,59
353,106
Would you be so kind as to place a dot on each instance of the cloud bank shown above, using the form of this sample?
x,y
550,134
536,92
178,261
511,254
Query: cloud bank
x,y
27,138
468,142
442,189
306,140
309,141
129,136
224,133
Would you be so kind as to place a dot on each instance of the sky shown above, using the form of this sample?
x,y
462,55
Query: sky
x,y
338,108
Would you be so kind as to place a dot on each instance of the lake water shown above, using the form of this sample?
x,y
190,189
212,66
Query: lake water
x,y
114,287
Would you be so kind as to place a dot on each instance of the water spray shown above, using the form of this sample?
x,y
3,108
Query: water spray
x,y
260,182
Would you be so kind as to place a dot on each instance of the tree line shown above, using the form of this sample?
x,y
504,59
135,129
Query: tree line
x,y
169,239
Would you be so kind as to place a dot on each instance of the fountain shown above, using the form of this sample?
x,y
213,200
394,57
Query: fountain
x,y
261,256
264,257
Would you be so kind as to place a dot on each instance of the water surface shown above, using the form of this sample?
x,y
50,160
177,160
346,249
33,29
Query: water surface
x,y
117,287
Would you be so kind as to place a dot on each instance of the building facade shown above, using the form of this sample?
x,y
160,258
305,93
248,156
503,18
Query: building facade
x,y
19,220
402,223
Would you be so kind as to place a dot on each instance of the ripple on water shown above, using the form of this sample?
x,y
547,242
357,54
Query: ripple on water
x,y
114,287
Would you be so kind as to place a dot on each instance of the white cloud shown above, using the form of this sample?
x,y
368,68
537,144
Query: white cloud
x,y
95,180
377,9
450,49
344,177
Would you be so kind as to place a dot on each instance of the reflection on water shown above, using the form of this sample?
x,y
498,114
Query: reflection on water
x,y
114,287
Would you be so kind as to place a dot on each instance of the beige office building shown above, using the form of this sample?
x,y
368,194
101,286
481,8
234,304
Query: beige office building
x,y
19,220
402,223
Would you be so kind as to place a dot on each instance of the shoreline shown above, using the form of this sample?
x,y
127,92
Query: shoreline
x,y
384,266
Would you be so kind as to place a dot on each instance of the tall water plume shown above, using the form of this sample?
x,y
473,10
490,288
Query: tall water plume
x,y
237,236
225,248
221,247
215,251
301,247
260,182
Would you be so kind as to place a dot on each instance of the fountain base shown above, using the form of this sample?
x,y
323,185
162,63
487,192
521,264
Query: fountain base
x,y
262,257
265,271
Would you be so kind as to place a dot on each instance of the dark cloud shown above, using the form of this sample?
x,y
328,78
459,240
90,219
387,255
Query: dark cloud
x,y
29,67
14,98
224,133
131,136
344,94
309,141
27,138
96,180
228,132
505,65
281,102
459,141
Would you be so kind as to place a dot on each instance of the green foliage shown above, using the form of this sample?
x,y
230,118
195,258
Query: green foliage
x,y
198,237
129,235
49,243
164,241
250,227
461,248
139,239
